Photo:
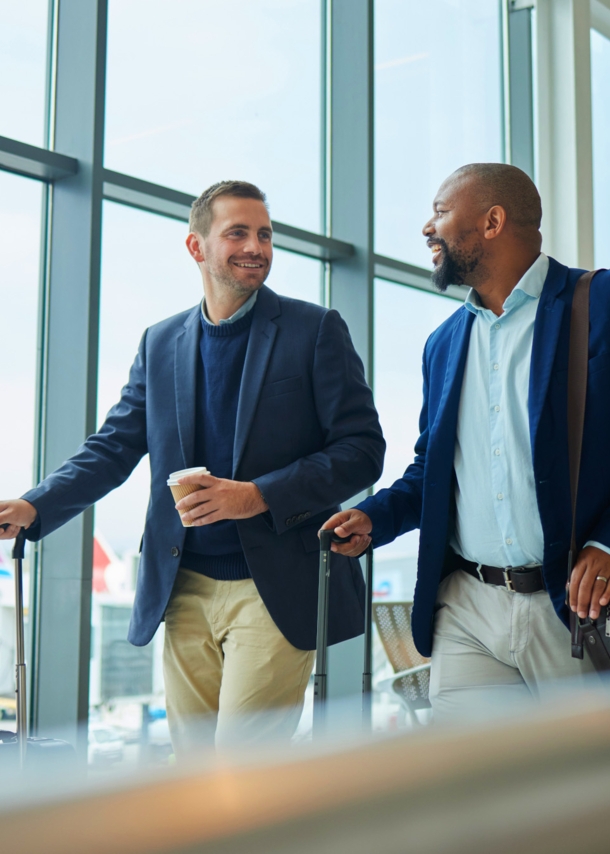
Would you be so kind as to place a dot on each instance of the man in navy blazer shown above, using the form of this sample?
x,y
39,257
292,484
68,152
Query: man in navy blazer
x,y
269,394
489,487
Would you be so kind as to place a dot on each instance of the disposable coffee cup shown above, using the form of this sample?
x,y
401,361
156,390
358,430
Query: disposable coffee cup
x,y
181,490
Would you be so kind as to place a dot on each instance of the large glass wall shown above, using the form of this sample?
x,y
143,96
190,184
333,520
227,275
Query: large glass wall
x,y
600,85
404,319
438,105
23,69
201,91
20,218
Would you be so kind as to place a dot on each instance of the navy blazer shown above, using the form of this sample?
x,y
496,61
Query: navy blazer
x,y
307,433
425,496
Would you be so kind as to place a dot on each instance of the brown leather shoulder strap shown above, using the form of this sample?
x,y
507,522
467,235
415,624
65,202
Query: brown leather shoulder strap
x,y
577,386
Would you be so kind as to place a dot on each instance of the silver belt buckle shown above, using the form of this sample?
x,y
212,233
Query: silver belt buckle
x,y
507,582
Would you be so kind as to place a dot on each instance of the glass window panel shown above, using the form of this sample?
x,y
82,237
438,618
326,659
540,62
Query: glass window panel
x,y
140,288
438,106
404,318
600,73
201,91
20,219
23,69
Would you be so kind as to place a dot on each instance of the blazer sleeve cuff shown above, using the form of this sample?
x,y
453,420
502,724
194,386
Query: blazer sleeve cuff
x,y
377,515
598,545
600,535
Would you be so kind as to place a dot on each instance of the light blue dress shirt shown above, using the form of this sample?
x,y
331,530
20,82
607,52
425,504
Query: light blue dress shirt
x,y
241,312
497,521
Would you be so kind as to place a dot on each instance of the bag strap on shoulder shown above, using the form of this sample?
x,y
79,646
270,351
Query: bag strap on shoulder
x,y
578,363
577,390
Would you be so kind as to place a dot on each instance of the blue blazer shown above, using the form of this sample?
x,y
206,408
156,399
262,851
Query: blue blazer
x,y
424,497
307,432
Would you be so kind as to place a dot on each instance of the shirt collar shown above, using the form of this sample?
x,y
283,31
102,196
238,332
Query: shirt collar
x,y
241,312
529,286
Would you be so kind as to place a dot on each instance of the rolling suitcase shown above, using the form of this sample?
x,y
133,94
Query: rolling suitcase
x,y
38,756
320,678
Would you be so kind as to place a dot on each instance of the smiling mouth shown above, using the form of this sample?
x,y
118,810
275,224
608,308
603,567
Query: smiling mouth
x,y
436,250
248,265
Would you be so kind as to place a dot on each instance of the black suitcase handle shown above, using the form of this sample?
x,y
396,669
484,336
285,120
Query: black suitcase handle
x,y
19,547
20,667
328,536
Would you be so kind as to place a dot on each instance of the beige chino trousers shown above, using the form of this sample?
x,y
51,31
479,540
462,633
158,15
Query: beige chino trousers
x,y
229,671
495,650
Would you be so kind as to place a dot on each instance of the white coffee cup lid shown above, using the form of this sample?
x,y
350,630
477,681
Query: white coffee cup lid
x,y
176,475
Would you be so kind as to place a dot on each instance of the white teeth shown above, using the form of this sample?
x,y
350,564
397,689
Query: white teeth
x,y
254,266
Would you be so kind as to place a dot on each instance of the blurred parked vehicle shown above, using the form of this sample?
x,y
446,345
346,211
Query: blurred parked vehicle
x,y
105,745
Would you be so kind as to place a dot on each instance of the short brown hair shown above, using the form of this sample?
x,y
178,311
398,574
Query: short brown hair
x,y
202,214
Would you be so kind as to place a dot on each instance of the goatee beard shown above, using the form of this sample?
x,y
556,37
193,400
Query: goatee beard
x,y
455,268
445,273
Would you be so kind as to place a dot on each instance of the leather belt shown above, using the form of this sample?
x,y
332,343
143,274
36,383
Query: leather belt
x,y
518,579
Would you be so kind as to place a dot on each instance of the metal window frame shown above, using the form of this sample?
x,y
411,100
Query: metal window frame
x,y
519,85
78,183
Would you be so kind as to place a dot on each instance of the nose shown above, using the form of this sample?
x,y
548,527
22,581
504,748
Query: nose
x,y
252,245
428,228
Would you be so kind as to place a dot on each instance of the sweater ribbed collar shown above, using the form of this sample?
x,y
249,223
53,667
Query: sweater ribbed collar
x,y
226,330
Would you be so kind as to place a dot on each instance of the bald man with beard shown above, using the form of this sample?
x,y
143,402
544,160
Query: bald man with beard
x,y
489,487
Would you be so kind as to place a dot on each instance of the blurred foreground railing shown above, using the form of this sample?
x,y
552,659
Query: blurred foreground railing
x,y
534,783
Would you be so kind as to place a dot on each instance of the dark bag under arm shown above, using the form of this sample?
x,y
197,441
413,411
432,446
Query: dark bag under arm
x,y
592,634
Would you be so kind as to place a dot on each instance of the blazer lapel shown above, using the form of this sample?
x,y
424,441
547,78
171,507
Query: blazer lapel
x,y
547,327
185,380
260,345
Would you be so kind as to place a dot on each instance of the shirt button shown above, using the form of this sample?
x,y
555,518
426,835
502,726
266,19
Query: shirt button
x,y
509,542
500,497
497,326
497,452
496,408
496,367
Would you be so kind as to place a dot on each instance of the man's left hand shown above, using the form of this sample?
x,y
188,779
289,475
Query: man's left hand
x,y
588,592
219,499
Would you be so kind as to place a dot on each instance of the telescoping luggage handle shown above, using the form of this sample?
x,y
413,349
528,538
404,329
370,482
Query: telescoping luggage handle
x,y
320,681
20,675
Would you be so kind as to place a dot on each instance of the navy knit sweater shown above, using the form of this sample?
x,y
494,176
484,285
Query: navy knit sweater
x,y
215,550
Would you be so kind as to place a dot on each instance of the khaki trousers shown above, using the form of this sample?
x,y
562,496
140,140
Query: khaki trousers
x,y
494,650
228,669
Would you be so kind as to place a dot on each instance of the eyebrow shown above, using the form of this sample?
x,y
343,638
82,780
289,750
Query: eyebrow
x,y
242,225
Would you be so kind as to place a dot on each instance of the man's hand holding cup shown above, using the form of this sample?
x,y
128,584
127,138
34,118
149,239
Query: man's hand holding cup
x,y
353,524
202,499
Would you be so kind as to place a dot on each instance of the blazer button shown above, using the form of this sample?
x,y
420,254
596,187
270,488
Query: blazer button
x,y
301,517
175,551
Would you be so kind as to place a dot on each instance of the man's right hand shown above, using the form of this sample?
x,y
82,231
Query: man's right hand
x,y
354,524
15,514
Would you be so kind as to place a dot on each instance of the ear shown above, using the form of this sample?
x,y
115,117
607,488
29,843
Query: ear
x,y
194,244
495,222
